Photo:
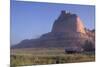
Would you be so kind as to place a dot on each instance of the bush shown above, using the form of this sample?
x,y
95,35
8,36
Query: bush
x,y
88,46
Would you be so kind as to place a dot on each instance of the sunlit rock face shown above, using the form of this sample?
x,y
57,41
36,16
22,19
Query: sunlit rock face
x,y
68,31
68,22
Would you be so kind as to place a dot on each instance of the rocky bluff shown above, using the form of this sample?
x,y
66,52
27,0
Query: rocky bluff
x,y
68,31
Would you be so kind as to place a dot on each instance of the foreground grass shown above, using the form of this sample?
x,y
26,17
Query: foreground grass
x,y
50,57
38,56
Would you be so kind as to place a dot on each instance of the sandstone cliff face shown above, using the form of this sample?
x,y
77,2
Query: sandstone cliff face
x,y
68,22
68,31
79,25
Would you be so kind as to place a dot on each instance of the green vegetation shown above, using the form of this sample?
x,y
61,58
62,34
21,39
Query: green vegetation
x,y
49,56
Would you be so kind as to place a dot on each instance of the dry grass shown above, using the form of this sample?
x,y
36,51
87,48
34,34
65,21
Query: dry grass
x,y
39,56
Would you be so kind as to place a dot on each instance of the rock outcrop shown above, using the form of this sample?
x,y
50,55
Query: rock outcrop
x,y
68,22
68,31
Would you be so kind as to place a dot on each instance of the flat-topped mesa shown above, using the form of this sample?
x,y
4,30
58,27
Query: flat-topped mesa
x,y
68,22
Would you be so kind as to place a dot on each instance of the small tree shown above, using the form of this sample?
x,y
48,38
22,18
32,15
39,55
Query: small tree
x,y
88,46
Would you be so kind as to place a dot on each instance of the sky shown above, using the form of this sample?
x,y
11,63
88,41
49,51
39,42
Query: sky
x,y
32,19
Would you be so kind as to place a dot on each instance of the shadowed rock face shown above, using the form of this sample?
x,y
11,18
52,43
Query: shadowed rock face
x,y
68,31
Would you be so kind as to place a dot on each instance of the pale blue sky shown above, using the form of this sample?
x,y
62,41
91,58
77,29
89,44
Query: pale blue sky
x,y
32,19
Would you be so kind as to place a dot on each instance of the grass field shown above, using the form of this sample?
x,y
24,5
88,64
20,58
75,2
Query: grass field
x,y
37,56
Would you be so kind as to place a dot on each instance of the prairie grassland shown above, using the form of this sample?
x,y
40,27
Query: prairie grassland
x,y
37,56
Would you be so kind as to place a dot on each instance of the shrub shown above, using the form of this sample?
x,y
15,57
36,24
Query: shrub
x,y
88,46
